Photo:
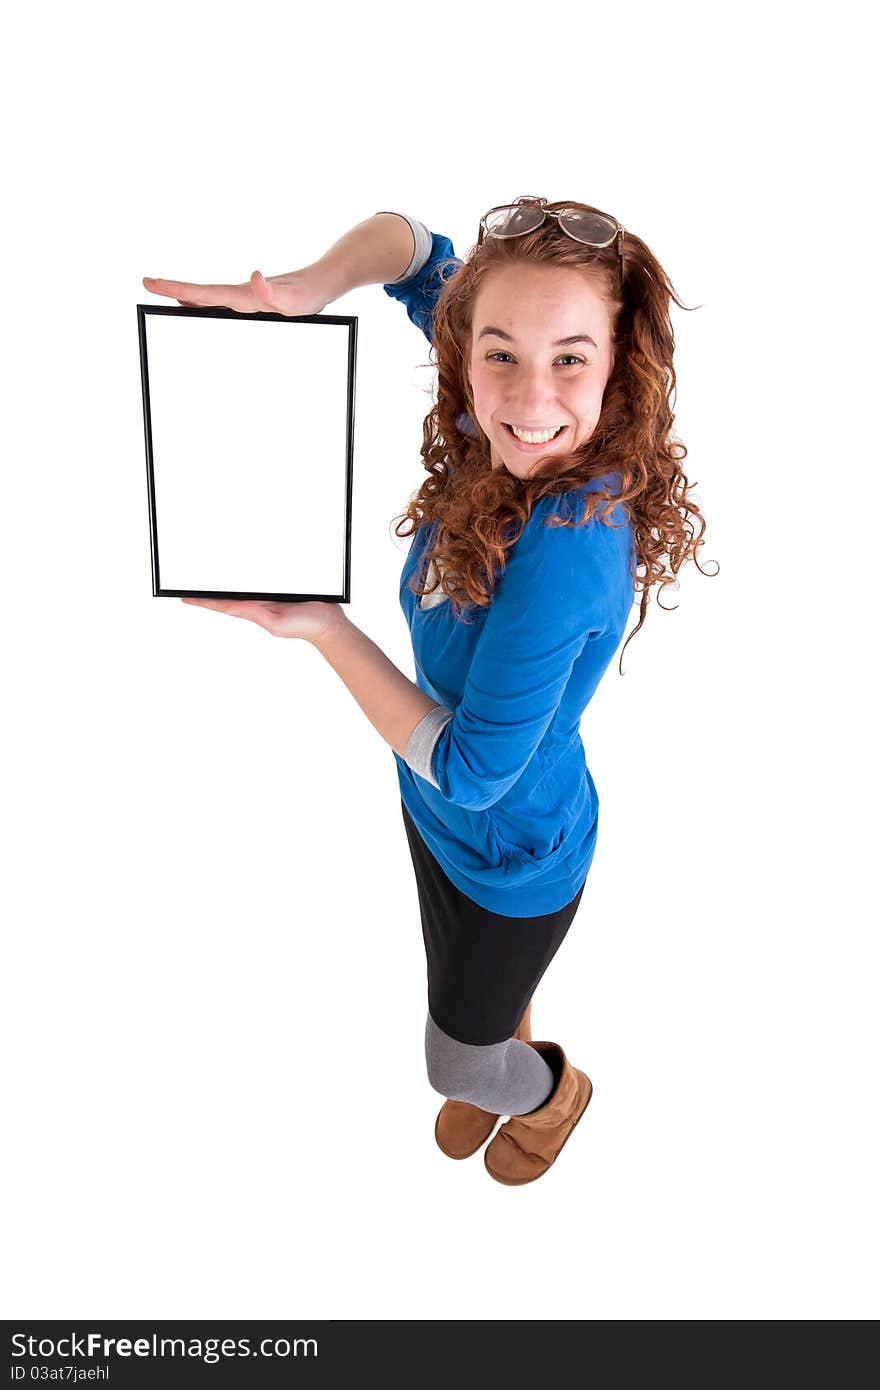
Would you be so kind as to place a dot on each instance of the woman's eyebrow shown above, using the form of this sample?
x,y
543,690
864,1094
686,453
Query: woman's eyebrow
x,y
560,342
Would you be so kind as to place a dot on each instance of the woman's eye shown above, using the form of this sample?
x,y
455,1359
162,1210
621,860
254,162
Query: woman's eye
x,y
570,356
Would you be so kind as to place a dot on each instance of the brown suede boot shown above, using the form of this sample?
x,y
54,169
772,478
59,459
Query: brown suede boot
x,y
526,1146
462,1128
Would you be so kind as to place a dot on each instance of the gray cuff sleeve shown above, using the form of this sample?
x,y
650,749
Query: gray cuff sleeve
x,y
424,243
420,746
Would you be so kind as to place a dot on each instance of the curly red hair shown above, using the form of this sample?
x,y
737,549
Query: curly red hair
x,y
480,511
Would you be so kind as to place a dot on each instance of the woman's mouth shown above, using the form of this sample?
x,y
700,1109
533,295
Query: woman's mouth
x,y
541,444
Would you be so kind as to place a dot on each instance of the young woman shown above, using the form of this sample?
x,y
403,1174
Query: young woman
x,y
551,477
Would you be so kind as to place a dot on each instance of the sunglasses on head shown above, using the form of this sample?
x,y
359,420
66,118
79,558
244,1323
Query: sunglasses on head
x,y
527,215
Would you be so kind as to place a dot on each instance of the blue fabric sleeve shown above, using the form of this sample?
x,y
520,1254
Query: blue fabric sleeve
x,y
420,292
552,597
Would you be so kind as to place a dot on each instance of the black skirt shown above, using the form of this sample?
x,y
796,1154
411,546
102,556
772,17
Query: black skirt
x,y
483,968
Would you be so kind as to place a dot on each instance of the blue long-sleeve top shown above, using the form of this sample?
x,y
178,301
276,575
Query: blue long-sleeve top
x,y
495,775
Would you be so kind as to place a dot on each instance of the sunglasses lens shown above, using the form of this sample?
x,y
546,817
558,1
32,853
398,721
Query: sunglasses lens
x,y
511,221
589,227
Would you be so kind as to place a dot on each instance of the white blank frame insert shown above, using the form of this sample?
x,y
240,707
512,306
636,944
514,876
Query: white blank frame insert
x,y
249,427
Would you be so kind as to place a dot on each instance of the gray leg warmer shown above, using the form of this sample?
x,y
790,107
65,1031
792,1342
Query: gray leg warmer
x,y
506,1078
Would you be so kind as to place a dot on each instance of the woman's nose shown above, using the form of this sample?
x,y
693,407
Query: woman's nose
x,y
534,406
535,399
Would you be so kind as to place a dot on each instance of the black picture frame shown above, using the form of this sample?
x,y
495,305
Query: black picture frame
x,y
339,323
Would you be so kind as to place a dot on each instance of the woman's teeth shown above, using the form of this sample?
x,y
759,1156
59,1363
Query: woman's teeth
x,y
535,436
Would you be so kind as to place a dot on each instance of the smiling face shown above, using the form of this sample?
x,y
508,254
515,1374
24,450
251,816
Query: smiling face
x,y
522,374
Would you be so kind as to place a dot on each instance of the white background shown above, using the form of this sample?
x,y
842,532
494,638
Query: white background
x,y
214,995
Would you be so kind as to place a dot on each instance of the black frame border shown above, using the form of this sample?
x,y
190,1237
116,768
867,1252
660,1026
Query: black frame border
x,y
219,312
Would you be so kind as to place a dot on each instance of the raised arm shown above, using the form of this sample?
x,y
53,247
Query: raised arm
x,y
418,288
365,255
378,250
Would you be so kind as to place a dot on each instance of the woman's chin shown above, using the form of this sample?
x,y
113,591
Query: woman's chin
x,y
517,466
522,468
520,465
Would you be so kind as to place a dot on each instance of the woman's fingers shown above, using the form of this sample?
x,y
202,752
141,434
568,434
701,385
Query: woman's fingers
x,y
220,605
296,294
306,620
240,297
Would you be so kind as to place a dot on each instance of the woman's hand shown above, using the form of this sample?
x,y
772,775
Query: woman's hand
x,y
296,294
311,621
